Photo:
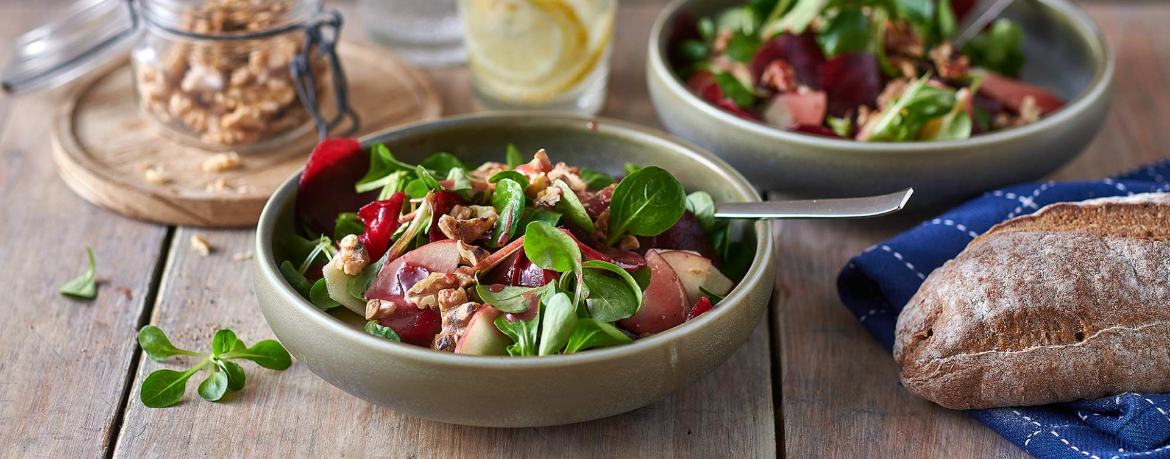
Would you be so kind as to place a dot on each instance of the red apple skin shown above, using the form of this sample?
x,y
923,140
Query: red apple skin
x,y
482,337
664,305
1011,93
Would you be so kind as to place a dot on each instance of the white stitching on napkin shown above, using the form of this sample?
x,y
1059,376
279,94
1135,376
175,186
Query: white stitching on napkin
x,y
908,264
958,226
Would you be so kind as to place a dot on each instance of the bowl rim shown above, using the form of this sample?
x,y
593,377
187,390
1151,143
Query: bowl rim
x,y
266,268
1088,31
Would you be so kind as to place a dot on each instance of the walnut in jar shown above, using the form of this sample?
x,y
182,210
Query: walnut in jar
x,y
236,92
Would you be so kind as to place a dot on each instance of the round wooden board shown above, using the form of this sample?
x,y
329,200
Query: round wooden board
x,y
102,145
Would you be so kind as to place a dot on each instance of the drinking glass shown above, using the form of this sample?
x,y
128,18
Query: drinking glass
x,y
538,54
424,32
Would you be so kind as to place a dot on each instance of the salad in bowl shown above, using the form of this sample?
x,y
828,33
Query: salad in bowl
x,y
875,71
522,257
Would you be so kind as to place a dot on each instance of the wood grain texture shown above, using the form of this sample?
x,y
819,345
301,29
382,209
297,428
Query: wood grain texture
x,y
294,413
64,363
103,145
840,391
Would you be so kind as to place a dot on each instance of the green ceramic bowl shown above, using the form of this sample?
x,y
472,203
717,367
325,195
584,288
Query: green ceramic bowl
x,y
1066,53
521,391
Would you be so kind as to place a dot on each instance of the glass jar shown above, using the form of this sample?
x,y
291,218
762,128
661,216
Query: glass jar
x,y
219,74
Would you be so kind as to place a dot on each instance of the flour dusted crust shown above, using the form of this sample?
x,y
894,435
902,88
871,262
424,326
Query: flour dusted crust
x,y
1071,302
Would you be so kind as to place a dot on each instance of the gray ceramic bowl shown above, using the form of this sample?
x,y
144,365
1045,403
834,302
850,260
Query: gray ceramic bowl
x,y
1066,53
521,391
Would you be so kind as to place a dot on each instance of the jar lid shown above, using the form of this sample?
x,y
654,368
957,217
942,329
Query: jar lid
x,y
88,34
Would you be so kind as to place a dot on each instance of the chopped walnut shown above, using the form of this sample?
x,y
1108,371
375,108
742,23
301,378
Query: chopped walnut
x,y
891,93
949,65
467,223
902,39
863,115
157,176
455,321
548,197
601,225
351,255
571,176
471,255
486,170
378,309
222,162
779,76
628,243
1029,111
906,66
424,293
451,298
722,39
200,245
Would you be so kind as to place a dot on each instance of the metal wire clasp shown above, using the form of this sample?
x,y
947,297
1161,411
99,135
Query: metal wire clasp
x,y
321,35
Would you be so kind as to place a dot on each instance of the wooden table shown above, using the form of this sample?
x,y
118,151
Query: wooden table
x,y
809,383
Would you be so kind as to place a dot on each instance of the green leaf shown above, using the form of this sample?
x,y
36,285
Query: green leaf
x,y
847,31
741,19
742,47
216,384
508,200
319,296
357,285
611,299
347,223
416,188
164,388
703,206
460,180
427,179
513,299
83,287
550,248
235,374
442,163
706,28
524,333
693,50
735,89
300,249
268,354
714,297
513,157
592,333
999,49
919,13
570,206
841,126
374,328
596,179
645,203
559,320
802,15
540,214
156,345
904,119
296,279
946,20
515,176
642,278
382,164
630,168
225,341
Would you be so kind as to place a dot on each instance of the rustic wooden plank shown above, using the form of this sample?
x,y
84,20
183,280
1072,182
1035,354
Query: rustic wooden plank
x,y
727,414
64,363
840,391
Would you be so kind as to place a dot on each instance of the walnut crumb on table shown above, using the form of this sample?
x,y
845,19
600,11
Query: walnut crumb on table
x,y
200,245
222,162
242,256
156,175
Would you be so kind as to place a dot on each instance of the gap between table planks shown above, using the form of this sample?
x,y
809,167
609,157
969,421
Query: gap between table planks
x,y
727,414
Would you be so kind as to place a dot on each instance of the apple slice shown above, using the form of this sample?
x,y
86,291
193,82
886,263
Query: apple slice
x,y
437,257
482,337
695,270
337,282
664,304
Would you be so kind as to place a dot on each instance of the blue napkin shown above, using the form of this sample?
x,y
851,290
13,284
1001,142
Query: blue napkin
x,y
878,283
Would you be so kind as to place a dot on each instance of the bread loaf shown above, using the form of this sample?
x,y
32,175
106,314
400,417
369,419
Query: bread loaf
x,y
1071,302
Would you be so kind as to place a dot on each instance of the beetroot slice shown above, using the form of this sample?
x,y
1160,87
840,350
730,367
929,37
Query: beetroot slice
x,y
326,186
852,80
800,51
624,259
381,221
413,325
687,234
